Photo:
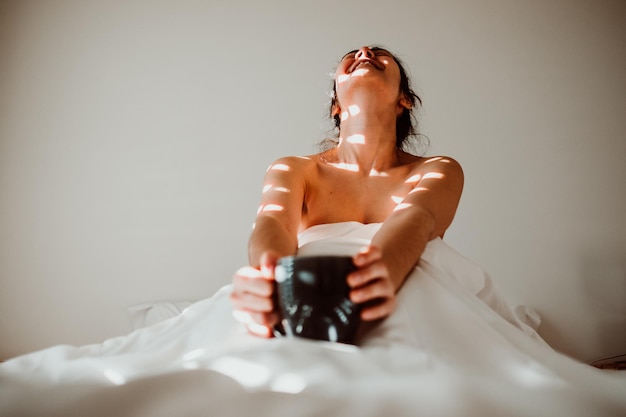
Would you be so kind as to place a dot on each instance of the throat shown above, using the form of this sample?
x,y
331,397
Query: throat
x,y
368,160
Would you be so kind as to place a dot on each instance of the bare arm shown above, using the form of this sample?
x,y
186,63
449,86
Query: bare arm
x,y
274,235
278,218
424,214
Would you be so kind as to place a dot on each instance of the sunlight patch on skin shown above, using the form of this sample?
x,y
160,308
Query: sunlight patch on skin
x,y
418,189
374,173
270,187
344,115
347,167
397,199
342,78
354,109
359,72
249,272
402,206
414,178
436,175
438,159
356,138
280,167
355,168
272,207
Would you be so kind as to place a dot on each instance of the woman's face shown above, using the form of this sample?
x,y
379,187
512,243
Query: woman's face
x,y
372,64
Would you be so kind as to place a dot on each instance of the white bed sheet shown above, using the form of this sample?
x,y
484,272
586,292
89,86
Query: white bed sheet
x,y
453,347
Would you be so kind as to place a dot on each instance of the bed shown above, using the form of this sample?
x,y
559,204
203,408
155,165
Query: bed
x,y
453,347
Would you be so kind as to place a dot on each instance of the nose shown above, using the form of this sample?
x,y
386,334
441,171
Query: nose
x,y
364,52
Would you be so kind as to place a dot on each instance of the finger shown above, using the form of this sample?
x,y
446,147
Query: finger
x,y
364,275
251,302
250,317
380,288
267,263
257,286
258,325
367,255
249,272
260,330
378,311
267,319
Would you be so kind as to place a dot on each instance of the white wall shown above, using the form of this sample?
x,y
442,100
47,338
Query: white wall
x,y
134,136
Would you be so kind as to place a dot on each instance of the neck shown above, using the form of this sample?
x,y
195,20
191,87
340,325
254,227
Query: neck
x,y
367,140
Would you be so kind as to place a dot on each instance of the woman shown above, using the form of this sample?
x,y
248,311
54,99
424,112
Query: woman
x,y
366,178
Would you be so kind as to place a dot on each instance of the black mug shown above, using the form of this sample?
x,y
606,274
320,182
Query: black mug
x,y
313,298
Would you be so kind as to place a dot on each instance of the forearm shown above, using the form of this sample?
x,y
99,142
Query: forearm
x,y
269,234
402,238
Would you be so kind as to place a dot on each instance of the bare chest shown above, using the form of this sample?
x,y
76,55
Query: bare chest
x,y
343,196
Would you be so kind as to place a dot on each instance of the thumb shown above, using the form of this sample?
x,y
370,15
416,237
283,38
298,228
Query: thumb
x,y
367,255
267,264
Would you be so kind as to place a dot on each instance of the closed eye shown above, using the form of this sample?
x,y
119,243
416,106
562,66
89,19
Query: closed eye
x,y
378,52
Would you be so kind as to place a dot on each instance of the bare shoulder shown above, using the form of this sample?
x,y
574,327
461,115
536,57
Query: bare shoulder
x,y
439,167
292,164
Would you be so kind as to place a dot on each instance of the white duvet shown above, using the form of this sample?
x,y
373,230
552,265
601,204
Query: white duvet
x,y
453,347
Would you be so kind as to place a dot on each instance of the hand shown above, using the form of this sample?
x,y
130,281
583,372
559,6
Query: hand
x,y
253,296
371,285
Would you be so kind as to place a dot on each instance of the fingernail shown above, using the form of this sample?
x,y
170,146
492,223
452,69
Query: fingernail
x,y
266,271
354,280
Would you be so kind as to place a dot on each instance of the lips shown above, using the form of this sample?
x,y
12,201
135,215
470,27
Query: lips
x,y
366,61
